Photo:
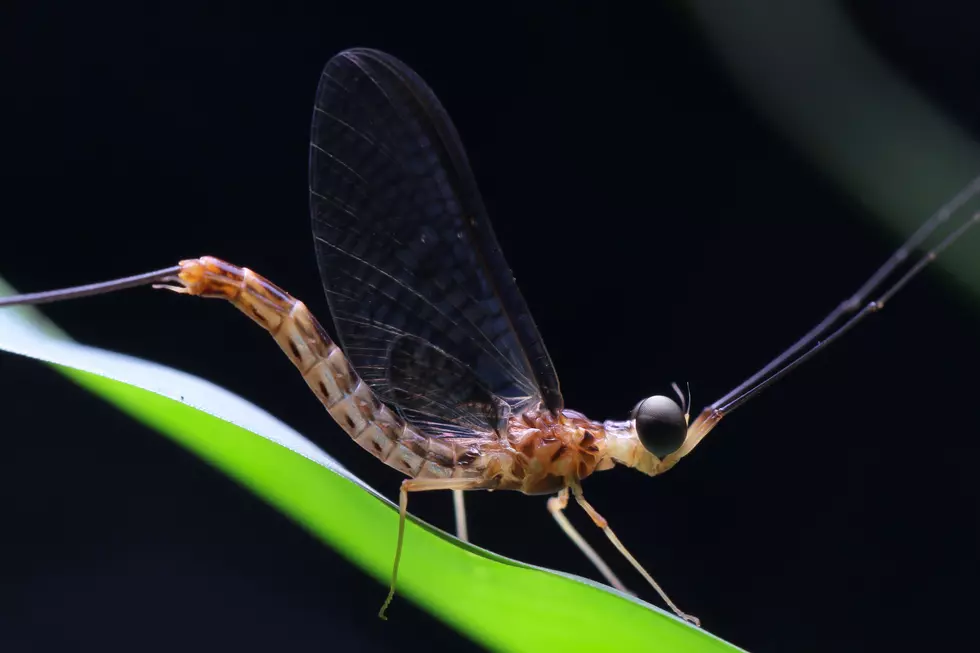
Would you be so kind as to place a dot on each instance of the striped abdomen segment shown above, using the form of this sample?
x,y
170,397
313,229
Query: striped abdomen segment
x,y
349,400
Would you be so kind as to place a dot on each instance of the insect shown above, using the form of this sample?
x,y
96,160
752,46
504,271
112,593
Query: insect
x,y
440,371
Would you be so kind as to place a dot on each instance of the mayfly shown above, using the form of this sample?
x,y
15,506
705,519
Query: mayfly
x,y
440,370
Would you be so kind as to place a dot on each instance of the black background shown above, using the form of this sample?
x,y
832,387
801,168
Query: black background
x,y
660,230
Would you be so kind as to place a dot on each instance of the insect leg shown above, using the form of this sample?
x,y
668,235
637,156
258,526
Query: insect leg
x,y
459,509
556,506
420,485
601,522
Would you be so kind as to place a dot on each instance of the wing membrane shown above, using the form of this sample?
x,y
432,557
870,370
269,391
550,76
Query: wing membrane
x,y
423,301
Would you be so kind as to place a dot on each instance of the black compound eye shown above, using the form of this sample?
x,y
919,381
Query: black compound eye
x,y
660,425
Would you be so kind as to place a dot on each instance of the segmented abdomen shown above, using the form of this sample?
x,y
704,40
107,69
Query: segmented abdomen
x,y
348,399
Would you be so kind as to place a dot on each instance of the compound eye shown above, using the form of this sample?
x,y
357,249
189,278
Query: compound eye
x,y
660,425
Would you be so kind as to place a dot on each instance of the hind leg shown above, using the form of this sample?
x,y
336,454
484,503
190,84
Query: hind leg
x,y
459,510
420,485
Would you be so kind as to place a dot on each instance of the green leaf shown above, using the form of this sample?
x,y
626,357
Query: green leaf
x,y
459,583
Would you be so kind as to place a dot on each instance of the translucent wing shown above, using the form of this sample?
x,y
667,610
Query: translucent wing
x,y
423,301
